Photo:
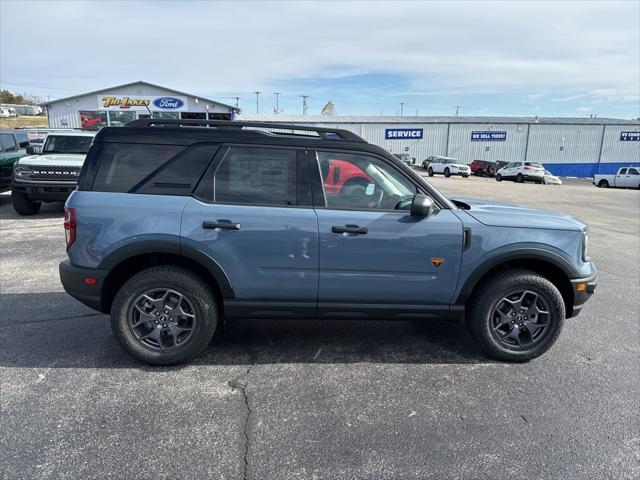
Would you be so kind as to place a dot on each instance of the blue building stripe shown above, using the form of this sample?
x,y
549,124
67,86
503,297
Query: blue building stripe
x,y
586,169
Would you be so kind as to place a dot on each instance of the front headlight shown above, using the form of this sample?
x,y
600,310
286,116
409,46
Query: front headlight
x,y
585,246
20,171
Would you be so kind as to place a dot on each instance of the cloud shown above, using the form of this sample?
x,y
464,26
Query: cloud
x,y
570,50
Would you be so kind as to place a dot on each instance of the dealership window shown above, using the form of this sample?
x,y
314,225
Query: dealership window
x,y
118,119
93,120
219,116
125,165
168,115
256,176
193,115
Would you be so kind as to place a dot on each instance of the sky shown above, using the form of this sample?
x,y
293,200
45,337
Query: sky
x,y
546,58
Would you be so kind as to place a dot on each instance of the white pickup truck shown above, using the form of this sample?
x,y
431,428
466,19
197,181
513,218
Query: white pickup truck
x,y
627,177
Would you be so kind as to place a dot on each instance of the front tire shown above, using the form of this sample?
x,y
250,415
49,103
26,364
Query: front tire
x,y
23,205
447,173
498,178
516,315
430,172
164,315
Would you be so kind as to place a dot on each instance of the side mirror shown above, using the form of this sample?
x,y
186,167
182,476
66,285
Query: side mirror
x,y
30,151
422,206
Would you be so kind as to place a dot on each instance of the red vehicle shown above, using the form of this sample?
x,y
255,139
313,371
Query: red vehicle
x,y
339,174
483,167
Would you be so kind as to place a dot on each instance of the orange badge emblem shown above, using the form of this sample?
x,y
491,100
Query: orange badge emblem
x,y
437,262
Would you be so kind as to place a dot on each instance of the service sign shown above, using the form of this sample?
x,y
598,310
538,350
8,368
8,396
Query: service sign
x,y
488,136
141,103
630,136
403,133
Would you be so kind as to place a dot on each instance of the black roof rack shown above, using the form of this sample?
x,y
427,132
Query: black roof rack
x,y
323,133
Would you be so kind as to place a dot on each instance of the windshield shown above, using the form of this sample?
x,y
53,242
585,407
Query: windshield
x,y
67,144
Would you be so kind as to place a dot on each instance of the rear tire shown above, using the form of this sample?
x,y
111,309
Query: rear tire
x,y
160,344
447,173
516,315
430,172
603,184
519,178
23,204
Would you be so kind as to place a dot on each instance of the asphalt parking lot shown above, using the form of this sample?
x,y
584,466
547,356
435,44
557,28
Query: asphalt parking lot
x,y
323,400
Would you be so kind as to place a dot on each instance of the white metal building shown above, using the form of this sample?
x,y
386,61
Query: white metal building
x,y
578,147
118,105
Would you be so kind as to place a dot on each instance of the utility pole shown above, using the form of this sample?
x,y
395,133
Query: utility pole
x,y
257,101
237,101
458,107
304,103
401,108
416,112
277,94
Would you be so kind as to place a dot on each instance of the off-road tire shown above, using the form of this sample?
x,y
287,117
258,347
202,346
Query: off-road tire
x,y
23,205
192,286
491,291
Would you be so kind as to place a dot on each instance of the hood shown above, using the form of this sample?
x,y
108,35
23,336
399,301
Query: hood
x,y
54,159
507,214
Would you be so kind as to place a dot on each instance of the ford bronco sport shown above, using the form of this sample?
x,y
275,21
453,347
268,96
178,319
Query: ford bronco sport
x,y
175,226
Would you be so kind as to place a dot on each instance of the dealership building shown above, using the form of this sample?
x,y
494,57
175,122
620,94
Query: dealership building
x,y
578,147
121,104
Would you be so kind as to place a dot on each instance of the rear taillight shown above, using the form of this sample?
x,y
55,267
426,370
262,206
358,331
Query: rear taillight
x,y
528,168
70,221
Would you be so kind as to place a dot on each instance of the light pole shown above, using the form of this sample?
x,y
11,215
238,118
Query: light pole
x,y
237,101
257,102
277,94
458,107
401,108
304,103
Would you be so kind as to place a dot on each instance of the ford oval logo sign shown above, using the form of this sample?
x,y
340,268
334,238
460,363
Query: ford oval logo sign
x,y
168,103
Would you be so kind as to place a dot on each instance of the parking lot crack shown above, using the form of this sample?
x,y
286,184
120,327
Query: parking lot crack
x,y
240,384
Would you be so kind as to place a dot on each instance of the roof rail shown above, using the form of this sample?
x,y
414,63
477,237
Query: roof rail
x,y
323,133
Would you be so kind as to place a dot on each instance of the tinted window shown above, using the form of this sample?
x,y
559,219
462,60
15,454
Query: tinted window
x,y
633,171
67,144
257,176
124,166
363,182
7,142
623,171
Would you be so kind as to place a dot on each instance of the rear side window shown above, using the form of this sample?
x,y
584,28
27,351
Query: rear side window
x,y
124,166
256,176
7,142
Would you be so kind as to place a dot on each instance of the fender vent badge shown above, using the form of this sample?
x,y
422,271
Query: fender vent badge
x,y
437,262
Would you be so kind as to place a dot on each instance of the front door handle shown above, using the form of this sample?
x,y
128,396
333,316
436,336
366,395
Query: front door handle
x,y
222,225
349,229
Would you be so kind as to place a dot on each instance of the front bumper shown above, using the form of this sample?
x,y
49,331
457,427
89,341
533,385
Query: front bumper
x,y
45,191
74,281
583,288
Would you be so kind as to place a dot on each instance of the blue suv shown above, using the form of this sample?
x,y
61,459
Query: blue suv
x,y
177,224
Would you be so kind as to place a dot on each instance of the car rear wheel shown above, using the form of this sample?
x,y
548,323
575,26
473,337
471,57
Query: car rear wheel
x,y
498,178
519,178
164,315
430,172
516,315
23,204
447,173
603,184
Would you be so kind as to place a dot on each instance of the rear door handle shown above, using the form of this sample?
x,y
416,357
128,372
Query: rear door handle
x,y
349,229
222,225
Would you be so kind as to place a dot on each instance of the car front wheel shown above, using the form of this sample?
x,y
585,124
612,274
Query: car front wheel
x,y
447,173
516,315
23,205
164,315
430,172
498,178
